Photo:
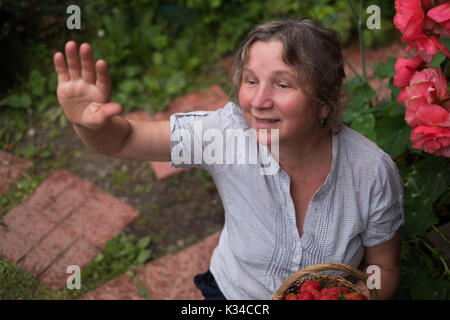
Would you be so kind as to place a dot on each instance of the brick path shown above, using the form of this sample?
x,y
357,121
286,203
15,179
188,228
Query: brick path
x,y
68,220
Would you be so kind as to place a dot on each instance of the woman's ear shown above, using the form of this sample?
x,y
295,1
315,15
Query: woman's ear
x,y
324,111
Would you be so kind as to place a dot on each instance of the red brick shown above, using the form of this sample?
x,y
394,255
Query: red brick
x,y
120,288
28,222
70,200
11,168
13,245
78,254
210,99
84,225
171,277
50,189
110,210
53,245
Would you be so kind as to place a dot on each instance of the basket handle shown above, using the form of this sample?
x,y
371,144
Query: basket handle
x,y
358,274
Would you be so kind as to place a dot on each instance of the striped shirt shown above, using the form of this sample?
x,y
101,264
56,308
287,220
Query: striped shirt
x,y
359,204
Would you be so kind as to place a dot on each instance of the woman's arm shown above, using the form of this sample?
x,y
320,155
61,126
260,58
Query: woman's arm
x,y
387,257
83,93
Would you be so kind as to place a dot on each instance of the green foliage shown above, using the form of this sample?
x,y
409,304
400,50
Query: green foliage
x,y
425,273
120,254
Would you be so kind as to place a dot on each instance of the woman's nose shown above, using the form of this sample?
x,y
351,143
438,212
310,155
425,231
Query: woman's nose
x,y
262,97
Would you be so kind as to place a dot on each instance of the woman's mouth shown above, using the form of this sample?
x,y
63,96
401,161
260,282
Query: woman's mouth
x,y
262,123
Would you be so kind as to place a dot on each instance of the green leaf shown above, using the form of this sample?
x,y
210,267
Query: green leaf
x,y
418,216
176,83
143,256
392,135
365,124
432,178
428,289
361,94
143,242
37,83
18,100
385,70
437,60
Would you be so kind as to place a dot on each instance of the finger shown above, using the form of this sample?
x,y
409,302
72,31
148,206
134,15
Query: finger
x,y
87,63
111,109
73,61
98,114
61,69
103,80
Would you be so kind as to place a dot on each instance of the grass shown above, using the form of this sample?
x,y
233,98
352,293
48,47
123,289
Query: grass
x,y
122,255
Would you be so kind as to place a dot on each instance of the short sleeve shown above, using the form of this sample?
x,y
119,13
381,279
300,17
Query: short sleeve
x,y
385,203
196,138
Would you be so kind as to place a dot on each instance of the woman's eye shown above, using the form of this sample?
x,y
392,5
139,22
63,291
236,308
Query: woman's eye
x,y
284,86
252,82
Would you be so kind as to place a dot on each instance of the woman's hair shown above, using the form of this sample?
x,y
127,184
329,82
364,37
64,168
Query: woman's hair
x,y
310,49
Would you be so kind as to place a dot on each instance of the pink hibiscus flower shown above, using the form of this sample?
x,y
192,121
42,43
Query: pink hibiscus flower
x,y
427,99
405,69
420,30
432,140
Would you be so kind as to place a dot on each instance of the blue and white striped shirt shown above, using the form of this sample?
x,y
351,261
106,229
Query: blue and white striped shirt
x,y
359,204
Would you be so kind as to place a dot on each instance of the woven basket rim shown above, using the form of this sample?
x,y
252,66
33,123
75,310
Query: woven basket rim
x,y
312,270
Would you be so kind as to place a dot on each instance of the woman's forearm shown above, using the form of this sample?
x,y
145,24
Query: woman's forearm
x,y
387,283
109,139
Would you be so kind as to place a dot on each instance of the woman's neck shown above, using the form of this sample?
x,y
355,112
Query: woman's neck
x,y
307,154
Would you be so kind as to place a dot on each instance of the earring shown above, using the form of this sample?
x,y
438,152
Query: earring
x,y
322,121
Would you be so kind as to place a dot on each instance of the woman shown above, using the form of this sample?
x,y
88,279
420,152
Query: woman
x,y
336,196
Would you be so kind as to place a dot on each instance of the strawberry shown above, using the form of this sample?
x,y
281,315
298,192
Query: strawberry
x,y
337,292
310,284
316,294
305,296
324,291
290,296
329,297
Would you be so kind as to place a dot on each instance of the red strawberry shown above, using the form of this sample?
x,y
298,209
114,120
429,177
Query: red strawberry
x,y
328,297
313,284
338,292
290,296
324,291
305,296
316,294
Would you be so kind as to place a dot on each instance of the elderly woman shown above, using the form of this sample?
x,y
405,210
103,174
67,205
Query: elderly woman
x,y
335,196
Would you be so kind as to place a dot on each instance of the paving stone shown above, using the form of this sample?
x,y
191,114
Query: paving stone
x,y
28,223
210,99
120,288
13,245
11,168
83,224
79,253
110,210
48,192
70,199
171,277
44,253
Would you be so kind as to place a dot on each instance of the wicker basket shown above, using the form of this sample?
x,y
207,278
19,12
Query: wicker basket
x,y
330,281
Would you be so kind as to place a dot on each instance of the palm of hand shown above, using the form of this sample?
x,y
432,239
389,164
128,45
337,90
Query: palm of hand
x,y
83,87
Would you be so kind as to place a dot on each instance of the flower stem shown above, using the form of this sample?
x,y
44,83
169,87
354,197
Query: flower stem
x,y
360,35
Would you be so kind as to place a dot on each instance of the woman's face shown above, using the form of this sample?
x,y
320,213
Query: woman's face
x,y
271,97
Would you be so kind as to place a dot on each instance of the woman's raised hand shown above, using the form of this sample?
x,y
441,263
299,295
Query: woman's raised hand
x,y
84,87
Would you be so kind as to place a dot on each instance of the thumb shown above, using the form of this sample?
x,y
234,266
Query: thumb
x,y
111,109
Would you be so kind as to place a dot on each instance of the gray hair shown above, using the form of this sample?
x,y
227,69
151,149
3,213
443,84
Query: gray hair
x,y
313,51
